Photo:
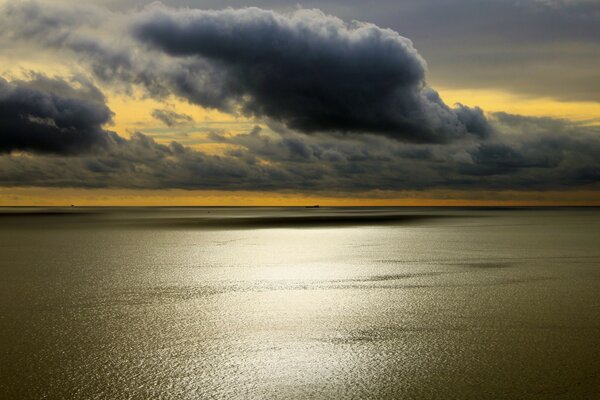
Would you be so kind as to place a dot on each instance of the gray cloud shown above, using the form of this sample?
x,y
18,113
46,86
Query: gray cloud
x,y
310,71
171,118
546,154
47,115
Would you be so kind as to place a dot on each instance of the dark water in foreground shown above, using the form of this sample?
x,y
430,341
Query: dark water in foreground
x,y
299,303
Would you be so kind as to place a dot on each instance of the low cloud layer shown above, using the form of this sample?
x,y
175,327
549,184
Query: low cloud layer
x,y
298,162
526,153
171,118
50,116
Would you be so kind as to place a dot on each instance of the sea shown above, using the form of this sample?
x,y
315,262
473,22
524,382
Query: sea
x,y
299,303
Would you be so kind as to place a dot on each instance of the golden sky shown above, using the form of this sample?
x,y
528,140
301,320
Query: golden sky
x,y
61,197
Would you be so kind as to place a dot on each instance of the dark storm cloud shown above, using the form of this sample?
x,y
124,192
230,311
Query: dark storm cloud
x,y
47,115
313,71
171,118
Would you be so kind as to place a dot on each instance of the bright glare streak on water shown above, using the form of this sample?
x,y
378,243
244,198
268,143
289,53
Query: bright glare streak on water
x,y
299,303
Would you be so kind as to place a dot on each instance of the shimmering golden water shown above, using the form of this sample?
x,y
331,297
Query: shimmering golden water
x,y
299,303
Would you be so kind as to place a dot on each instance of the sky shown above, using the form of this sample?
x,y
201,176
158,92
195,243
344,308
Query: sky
x,y
428,102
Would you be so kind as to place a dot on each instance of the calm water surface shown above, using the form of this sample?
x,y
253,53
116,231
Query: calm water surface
x,y
195,303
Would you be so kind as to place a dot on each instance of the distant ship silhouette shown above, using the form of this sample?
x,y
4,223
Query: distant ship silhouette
x,y
315,206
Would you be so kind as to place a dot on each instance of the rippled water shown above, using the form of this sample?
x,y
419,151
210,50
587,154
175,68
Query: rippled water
x,y
299,303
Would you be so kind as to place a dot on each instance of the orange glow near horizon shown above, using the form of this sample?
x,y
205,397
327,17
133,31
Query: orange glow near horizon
x,y
175,197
